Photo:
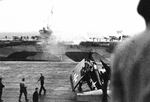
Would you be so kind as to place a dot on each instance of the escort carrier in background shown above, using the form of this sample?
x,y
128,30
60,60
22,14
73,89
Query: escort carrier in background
x,y
32,46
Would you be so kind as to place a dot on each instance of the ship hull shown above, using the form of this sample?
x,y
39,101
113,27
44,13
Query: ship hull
x,y
37,52
26,53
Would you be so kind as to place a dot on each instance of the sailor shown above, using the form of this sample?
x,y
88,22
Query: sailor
x,y
86,73
23,90
41,79
35,95
90,57
1,89
95,75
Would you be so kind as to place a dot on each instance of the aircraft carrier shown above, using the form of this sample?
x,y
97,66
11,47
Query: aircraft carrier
x,y
45,48
34,48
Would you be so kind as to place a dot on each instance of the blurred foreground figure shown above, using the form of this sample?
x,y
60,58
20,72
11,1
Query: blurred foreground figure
x,y
1,89
131,64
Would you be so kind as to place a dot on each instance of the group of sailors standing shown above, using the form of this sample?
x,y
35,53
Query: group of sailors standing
x,y
23,89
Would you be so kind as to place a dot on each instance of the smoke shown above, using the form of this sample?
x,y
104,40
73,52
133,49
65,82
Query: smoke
x,y
52,48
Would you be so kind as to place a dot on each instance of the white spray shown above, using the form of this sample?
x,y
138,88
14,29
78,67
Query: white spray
x,y
50,46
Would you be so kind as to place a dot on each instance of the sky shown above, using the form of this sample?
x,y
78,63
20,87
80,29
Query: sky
x,y
71,19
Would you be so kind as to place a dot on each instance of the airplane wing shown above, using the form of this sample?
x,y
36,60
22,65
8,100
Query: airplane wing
x,y
75,76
